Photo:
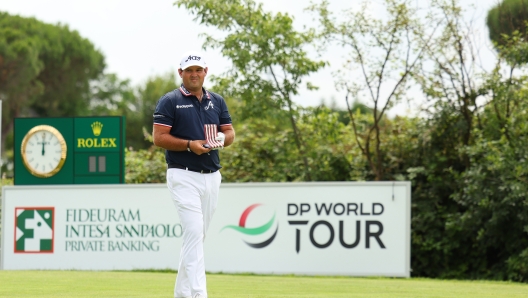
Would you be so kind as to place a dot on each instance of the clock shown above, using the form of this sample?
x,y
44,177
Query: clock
x,y
43,151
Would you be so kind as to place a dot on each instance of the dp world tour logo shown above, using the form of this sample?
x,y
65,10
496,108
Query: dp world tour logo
x,y
34,229
254,231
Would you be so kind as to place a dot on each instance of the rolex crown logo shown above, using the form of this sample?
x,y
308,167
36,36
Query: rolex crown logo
x,y
97,127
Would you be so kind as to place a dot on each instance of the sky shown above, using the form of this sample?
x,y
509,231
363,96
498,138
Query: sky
x,y
141,38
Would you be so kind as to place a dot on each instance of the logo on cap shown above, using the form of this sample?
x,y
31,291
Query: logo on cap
x,y
196,58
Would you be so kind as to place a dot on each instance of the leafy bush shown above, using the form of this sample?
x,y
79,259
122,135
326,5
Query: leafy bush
x,y
145,166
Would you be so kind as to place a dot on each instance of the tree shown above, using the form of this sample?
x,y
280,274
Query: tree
x,y
45,70
70,64
452,79
19,67
505,18
507,23
268,55
465,182
453,86
386,52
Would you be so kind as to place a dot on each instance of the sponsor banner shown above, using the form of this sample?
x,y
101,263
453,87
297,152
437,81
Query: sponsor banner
x,y
89,227
334,228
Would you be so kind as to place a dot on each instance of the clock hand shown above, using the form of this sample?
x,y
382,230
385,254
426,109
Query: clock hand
x,y
43,142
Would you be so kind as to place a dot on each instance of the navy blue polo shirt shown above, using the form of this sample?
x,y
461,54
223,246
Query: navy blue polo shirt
x,y
186,116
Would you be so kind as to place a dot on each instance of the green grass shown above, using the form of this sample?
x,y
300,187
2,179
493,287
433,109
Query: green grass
x,y
160,284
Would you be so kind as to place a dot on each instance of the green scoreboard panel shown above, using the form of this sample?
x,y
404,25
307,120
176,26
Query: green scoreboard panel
x,y
81,150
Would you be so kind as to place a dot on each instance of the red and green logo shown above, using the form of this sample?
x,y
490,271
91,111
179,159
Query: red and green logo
x,y
34,229
256,231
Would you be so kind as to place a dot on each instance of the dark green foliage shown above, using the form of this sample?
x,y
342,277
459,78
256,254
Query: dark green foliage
x,y
45,70
495,217
507,23
56,63
505,18
492,192
435,167
470,201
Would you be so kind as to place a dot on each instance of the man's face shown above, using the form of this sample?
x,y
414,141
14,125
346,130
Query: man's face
x,y
193,77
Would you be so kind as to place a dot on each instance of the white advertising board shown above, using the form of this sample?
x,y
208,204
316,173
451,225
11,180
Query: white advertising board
x,y
333,228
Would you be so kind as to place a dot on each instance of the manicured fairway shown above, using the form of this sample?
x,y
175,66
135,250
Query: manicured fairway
x,y
158,284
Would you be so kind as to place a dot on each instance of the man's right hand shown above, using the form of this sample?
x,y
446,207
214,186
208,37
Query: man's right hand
x,y
198,148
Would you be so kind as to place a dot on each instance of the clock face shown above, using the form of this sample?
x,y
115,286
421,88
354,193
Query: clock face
x,y
43,151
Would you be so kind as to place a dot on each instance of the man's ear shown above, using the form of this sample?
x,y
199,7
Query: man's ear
x,y
205,70
180,71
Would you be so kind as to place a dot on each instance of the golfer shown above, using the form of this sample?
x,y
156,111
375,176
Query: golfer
x,y
181,118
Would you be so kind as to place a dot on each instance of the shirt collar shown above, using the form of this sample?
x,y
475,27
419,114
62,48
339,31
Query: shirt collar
x,y
186,92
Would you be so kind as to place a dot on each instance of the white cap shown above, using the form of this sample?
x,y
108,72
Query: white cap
x,y
193,58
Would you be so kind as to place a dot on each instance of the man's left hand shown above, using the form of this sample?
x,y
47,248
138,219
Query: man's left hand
x,y
220,137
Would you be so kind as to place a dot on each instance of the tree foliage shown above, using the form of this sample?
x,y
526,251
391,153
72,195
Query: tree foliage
x,y
507,22
385,52
268,55
263,153
45,70
505,18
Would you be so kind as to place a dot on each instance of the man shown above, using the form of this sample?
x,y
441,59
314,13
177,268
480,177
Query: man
x,y
193,176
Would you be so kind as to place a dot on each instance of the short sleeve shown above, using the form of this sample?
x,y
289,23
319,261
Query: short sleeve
x,y
164,112
225,117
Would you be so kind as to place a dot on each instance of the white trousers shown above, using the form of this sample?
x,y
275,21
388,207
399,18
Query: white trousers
x,y
195,196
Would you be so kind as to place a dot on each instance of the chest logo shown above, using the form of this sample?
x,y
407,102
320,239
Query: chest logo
x,y
209,106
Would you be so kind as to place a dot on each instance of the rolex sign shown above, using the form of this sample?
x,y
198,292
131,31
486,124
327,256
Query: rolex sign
x,y
92,150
